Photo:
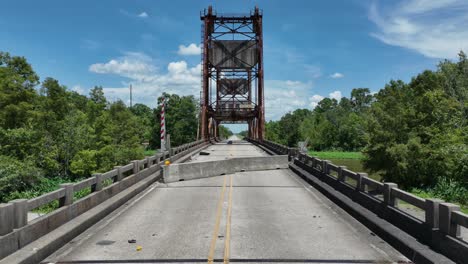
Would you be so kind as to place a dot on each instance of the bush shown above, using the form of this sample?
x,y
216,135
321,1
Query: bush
x,y
17,176
451,190
84,163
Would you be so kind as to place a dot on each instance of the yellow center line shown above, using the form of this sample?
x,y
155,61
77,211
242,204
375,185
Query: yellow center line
x,y
228,225
218,220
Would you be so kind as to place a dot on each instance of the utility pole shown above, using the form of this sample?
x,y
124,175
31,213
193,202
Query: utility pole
x,y
131,96
163,125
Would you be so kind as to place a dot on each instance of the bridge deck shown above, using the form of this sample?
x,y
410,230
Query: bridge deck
x,y
275,217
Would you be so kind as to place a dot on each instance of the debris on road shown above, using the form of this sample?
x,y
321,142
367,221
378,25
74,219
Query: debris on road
x,y
203,153
131,241
139,248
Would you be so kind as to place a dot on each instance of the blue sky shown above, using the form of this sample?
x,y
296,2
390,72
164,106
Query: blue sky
x,y
313,49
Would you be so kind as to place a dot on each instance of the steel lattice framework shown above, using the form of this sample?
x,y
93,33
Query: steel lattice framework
x,y
232,72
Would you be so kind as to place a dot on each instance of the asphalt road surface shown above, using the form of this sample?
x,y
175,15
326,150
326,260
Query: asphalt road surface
x,y
247,217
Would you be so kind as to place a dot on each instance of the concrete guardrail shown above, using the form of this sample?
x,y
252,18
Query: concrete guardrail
x,y
204,169
440,227
15,230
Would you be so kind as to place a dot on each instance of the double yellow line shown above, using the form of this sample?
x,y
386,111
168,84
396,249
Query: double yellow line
x,y
218,221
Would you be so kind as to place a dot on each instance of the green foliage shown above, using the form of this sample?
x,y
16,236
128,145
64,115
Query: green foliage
x,y
181,120
17,94
337,155
50,135
451,190
243,134
417,132
332,125
414,134
286,130
448,190
17,176
224,132
84,163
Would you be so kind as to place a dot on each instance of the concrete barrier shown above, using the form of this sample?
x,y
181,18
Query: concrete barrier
x,y
196,170
18,236
439,229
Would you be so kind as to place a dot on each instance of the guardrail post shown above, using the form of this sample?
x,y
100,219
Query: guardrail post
x,y
20,212
148,162
98,186
445,219
387,193
314,162
360,186
6,218
325,168
432,212
136,166
341,176
68,198
119,176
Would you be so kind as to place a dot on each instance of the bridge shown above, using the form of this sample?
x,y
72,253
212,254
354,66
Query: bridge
x,y
234,200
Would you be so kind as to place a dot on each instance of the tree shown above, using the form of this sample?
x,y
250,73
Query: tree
x,y
17,94
84,163
244,134
361,98
17,176
181,120
414,132
145,116
224,132
286,130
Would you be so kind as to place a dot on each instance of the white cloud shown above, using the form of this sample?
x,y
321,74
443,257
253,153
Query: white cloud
x,y
143,15
282,96
335,95
436,29
314,100
191,49
133,65
147,81
337,75
77,88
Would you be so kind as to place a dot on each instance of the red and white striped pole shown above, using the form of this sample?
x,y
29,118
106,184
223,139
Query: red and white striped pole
x,y
163,126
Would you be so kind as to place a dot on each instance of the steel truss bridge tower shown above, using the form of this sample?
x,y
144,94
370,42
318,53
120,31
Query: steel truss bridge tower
x,y
232,72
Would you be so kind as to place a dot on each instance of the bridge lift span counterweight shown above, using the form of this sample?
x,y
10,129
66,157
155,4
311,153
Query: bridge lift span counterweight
x,y
232,65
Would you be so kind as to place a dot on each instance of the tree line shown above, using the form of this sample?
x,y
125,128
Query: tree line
x,y
50,134
414,134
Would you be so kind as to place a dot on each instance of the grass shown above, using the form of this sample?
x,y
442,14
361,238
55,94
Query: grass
x,y
445,190
337,155
428,194
150,152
